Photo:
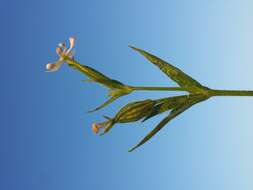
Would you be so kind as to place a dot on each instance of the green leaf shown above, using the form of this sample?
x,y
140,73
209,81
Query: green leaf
x,y
159,127
181,78
110,100
174,113
95,75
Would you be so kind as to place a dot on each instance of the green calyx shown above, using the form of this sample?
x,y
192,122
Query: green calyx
x,y
130,113
134,111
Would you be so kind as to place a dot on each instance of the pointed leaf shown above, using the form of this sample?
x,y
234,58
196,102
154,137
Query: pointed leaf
x,y
181,78
95,75
159,127
110,100
174,113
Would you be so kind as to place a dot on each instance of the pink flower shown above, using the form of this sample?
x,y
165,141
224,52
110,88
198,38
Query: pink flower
x,y
62,51
96,127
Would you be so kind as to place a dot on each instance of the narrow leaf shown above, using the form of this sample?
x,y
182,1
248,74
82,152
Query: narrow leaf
x,y
181,78
159,127
174,113
110,100
95,75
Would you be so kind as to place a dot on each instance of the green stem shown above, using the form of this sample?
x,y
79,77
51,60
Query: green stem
x,y
207,92
158,88
231,93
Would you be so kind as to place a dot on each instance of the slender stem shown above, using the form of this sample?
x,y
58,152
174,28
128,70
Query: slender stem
x,y
158,88
231,93
208,92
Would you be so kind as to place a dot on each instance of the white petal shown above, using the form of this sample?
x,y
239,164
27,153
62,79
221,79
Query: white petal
x,y
72,41
71,46
51,67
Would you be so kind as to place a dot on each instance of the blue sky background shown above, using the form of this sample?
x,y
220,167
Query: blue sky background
x,y
46,139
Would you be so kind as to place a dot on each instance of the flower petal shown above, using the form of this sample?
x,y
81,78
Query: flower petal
x,y
59,51
95,129
71,45
51,67
72,41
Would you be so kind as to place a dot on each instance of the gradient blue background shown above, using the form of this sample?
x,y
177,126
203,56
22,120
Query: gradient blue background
x,y
46,139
